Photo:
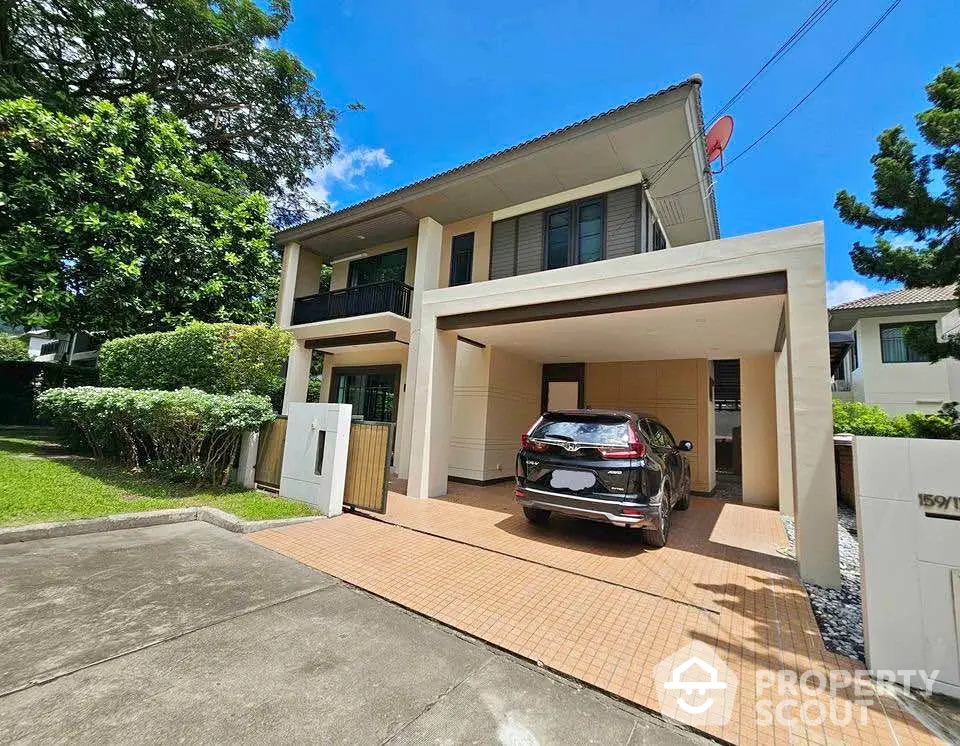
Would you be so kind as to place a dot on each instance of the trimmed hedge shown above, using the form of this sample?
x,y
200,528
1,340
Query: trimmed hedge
x,y
858,418
217,358
186,434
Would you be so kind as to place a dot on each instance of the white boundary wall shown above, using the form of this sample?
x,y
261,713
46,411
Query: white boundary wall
x,y
908,522
307,475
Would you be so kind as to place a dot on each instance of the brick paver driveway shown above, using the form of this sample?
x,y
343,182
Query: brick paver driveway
x,y
592,602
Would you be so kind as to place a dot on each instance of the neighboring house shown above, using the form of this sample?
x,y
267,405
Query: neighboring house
x,y
880,368
78,348
549,275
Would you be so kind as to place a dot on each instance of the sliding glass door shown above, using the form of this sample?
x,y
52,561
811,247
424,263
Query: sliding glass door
x,y
373,391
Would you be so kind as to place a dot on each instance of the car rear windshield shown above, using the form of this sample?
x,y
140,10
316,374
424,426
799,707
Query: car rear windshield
x,y
593,429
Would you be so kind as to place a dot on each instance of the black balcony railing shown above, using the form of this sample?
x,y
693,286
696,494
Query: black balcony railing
x,y
48,348
378,297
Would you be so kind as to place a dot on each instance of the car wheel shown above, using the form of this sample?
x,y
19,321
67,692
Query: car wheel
x,y
656,536
538,516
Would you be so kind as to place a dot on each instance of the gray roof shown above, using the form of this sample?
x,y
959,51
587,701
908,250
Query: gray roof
x,y
905,297
695,79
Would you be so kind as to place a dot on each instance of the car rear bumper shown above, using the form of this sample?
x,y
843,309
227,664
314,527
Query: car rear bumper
x,y
645,515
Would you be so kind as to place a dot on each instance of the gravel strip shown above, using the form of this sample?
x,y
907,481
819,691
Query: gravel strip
x,y
838,609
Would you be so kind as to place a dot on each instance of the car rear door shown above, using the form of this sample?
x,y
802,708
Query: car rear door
x,y
675,458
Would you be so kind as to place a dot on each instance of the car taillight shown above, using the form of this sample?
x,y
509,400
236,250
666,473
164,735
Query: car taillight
x,y
634,448
527,442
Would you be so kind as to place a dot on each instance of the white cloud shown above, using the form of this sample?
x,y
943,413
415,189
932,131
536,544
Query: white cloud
x,y
844,291
346,171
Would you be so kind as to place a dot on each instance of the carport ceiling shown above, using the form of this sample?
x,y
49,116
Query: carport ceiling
x,y
724,329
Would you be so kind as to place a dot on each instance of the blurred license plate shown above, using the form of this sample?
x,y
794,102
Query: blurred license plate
x,y
572,480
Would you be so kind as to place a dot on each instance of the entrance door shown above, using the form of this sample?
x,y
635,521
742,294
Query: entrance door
x,y
373,391
563,386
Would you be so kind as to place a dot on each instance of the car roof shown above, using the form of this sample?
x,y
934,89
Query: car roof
x,y
601,413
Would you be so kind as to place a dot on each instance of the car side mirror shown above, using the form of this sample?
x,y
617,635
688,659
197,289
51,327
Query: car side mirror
x,y
685,445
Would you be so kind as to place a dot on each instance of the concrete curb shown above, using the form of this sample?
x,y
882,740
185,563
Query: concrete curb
x,y
121,521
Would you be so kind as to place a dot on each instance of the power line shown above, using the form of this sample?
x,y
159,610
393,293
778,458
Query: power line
x,y
809,22
866,35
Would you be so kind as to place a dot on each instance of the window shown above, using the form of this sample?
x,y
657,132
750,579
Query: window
x,y
558,238
855,354
659,241
590,429
461,260
372,391
893,346
379,268
590,232
658,435
655,435
574,234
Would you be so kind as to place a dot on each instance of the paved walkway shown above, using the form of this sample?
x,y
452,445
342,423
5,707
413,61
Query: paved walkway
x,y
190,634
592,602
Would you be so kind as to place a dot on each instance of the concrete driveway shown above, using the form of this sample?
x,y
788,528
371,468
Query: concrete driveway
x,y
189,633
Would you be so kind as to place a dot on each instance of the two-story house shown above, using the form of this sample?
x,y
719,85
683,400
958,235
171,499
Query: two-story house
x,y
880,368
583,268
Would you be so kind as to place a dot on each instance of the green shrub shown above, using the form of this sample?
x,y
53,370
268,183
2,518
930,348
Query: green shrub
x,y
217,358
864,419
945,424
186,434
13,349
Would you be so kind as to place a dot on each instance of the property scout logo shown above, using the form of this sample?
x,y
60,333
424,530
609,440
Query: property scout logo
x,y
695,687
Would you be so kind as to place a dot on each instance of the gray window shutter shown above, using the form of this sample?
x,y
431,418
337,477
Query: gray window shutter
x,y
530,243
621,232
503,248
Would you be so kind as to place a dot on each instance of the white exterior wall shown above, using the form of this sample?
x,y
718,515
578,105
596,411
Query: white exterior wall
x,y
902,387
909,556
513,405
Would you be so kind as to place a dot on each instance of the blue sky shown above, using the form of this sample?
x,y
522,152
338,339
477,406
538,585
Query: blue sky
x,y
447,82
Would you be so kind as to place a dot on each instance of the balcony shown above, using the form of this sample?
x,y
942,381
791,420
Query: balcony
x,y
378,297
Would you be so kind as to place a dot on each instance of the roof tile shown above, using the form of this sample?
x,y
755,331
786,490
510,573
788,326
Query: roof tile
x,y
907,296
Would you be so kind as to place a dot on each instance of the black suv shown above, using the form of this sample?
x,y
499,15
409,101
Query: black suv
x,y
618,467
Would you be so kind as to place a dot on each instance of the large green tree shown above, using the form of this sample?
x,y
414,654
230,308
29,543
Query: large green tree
x,y
215,65
915,197
113,221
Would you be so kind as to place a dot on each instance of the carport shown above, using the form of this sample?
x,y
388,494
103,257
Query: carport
x,y
643,330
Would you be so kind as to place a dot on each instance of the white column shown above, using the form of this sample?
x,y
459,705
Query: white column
x,y
758,430
784,431
814,480
298,375
432,412
426,276
288,283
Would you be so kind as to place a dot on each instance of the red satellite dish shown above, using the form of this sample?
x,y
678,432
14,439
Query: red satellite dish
x,y
717,139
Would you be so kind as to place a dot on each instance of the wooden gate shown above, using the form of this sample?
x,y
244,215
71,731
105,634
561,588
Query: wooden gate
x,y
270,453
368,465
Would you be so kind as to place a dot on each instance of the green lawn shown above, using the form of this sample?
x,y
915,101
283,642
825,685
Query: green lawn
x,y
40,481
